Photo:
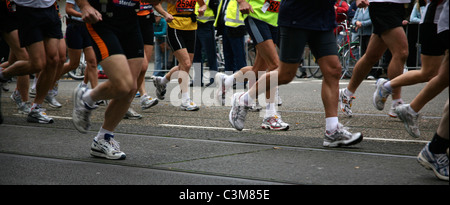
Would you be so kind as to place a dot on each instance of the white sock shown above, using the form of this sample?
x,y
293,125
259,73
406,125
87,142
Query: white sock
x,y
101,134
88,99
245,99
229,80
411,110
271,109
331,124
184,96
347,92
387,86
164,80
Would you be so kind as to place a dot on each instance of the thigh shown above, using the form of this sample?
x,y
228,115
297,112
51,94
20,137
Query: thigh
x,y
260,31
174,39
292,44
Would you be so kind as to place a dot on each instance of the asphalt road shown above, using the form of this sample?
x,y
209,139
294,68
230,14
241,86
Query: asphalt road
x,y
172,147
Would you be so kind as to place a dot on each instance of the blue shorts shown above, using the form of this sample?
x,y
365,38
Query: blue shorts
x,y
261,31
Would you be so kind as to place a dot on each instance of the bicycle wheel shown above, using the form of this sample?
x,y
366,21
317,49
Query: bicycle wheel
x,y
348,56
78,73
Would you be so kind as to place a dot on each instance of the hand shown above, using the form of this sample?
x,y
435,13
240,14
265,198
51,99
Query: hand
x,y
362,3
168,17
90,15
358,25
201,10
245,7
405,22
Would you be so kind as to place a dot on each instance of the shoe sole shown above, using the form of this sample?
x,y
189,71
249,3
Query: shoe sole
x,y
421,160
343,143
99,154
189,109
268,127
33,120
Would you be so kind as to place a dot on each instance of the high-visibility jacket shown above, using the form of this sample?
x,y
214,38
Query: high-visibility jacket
x,y
207,16
265,10
232,17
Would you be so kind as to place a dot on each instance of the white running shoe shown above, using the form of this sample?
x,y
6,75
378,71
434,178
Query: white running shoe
x,y
221,90
345,102
132,115
237,113
410,120
51,100
148,102
274,123
81,111
189,105
38,115
107,148
380,95
392,110
436,162
341,137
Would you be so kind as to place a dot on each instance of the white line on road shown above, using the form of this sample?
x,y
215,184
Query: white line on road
x,y
200,127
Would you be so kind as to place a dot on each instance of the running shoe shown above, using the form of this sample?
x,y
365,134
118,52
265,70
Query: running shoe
x,y
23,107
436,162
51,100
274,123
341,137
255,107
238,112
380,95
38,115
81,111
160,88
148,102
132,115
189,105
16,98
345,102
410,120
107,148
392,110
221,90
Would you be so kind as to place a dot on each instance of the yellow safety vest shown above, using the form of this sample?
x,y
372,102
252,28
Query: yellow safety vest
x,y
233,17
207,16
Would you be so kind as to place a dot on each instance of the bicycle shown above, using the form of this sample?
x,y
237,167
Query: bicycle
x,y
348,51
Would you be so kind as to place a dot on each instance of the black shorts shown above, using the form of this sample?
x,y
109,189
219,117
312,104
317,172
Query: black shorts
x,y
146,26
8,20
294,40
443,37
431,45
117,36
36,24
261,31
179,39
77,36
386,16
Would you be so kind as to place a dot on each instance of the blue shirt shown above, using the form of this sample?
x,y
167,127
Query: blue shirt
x,y
318,15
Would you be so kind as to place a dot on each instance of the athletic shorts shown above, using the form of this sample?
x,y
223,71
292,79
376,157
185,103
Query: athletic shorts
x,y
443,37
431,44
77,36
36,24
8,20
117,36
261,31
294,40
146,26
385,16
179,39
